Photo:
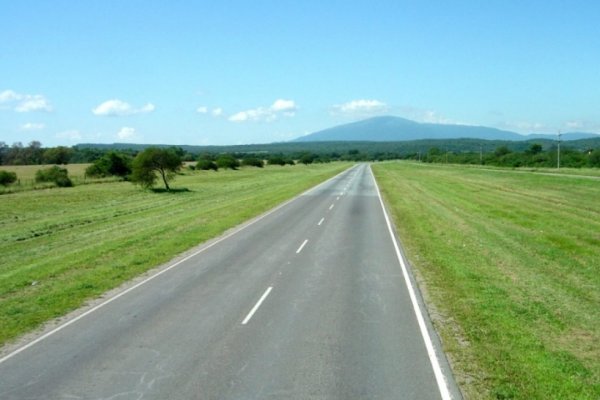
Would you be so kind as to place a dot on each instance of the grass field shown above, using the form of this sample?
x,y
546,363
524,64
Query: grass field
x,y
62,246
510,264
26,177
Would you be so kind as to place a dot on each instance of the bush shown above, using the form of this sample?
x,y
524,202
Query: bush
x,y
110,164
594,158
308,158
227,161
276,160
7,177
60,176
206,165
253,162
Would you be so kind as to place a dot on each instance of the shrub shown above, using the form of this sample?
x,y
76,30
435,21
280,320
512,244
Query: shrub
x,y
276,160
253,162
60,176
206,165
112,163
227,161
7,177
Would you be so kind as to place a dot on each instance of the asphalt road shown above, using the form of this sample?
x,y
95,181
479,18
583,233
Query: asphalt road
x,y
307,302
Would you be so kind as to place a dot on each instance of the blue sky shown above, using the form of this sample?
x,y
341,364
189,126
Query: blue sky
x,y
240,72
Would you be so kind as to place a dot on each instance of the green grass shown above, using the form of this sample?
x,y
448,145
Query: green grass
x,y
63,246
510,264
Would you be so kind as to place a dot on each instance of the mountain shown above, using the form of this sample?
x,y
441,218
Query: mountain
x,y
392,129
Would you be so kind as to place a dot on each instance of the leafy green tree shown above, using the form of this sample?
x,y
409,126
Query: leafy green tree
x,y
253,162
57,155
152,161
206,165
534,149
228,161
7,177
594,158
501,151
111,164
307,158
276,160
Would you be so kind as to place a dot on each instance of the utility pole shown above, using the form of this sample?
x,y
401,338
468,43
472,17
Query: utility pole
x,y
558,152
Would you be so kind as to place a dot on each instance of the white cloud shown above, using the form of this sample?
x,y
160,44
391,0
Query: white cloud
x,y
217,112
23,102
116,107
202,110
361,107
8,96
256,114
32,126
72,134
283,105
279,107
127,133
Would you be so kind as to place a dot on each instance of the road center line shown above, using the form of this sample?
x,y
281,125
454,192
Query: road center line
x,y
321,221
331,206
338,198
302,246
257,305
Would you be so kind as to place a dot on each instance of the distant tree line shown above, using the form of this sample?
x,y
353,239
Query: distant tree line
x,y
579,153
502,156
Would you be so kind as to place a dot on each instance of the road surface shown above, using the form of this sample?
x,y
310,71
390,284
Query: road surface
x,y
307,302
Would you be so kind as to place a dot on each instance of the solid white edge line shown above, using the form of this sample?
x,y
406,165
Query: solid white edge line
x,y
257,305
301,246
435,364
321,221
170,267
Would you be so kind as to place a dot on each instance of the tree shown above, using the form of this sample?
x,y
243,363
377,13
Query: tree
x,y
594,158
307,158
57,155
276,160
534,149
501,151
7,177
112,163
151,161
227,161
205,165
253,162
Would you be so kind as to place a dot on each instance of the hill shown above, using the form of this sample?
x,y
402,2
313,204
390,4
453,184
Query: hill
x,y
392,129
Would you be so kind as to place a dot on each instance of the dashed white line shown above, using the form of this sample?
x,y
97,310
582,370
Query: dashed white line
x,y
302,246
321,221
338,198
257,305
331,206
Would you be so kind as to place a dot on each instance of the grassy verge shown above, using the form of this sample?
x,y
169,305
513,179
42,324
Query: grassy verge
x,y
511,266
61,247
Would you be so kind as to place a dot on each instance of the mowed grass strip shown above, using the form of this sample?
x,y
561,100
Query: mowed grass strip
x,y
510,263
63,246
